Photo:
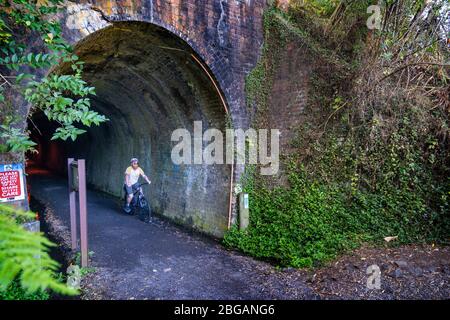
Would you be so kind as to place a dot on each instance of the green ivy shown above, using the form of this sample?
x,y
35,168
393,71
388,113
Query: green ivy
x,y
352,178
309,222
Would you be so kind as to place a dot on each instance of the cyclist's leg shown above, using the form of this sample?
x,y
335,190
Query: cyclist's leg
x,y
129,194
134,194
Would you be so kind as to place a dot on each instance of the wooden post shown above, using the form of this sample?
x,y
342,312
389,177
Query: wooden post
x,y
83,212
73,213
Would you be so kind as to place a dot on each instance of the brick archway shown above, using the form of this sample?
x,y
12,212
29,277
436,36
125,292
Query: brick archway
x,y
226,35
209,45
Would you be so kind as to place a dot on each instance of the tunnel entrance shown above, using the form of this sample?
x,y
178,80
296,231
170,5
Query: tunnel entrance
x,y
148,84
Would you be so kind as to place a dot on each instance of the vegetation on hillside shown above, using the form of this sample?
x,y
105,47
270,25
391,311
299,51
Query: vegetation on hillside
x,y
372,159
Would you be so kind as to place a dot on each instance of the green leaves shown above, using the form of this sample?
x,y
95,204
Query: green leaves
x,y
48,96
67,131
61,97
15,57
5,32
16,139
24,255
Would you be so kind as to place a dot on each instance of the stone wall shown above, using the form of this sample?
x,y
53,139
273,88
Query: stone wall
x,y
290,91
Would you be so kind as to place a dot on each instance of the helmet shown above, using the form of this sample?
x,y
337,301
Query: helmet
x,y
134,160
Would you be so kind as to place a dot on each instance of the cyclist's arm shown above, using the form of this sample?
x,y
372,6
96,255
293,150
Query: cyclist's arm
x,y
145,177
127,178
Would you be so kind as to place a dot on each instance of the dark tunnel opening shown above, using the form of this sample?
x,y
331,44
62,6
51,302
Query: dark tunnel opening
x,y
148,85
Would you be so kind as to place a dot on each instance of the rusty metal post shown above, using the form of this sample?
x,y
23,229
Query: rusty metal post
x,y
83,212
73,213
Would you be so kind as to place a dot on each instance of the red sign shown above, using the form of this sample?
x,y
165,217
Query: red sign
x,y
10,184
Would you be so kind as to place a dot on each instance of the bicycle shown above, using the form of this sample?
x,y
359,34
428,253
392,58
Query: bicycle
x,y
139,205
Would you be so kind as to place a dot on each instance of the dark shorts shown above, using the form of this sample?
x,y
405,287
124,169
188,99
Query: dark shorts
x,y
131,189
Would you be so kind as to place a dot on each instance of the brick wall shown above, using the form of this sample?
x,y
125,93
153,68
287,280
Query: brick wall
x,y
227,35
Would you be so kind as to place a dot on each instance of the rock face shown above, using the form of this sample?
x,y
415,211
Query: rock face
x,y
153,64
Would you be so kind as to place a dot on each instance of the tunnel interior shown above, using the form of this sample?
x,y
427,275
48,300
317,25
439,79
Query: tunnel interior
x,y
147,84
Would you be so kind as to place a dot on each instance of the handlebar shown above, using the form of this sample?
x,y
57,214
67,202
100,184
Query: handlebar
x,y
139,186
143,184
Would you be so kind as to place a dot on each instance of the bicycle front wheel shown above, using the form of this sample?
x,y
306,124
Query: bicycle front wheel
x,y
143,211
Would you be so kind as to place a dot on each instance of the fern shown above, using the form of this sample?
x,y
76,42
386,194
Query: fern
x,y
24,255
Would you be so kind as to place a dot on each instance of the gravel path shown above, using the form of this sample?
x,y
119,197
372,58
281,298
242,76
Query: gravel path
x,y
134,260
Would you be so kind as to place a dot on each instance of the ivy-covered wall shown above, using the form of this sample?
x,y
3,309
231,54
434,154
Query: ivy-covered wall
x,y
346,178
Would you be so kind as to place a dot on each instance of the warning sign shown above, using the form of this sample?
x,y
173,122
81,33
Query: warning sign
x,y
11,182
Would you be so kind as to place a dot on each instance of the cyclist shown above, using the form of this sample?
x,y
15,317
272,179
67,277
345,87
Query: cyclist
x,y
132,175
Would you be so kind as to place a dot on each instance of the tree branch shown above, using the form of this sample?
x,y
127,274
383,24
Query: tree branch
x,y
412,65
